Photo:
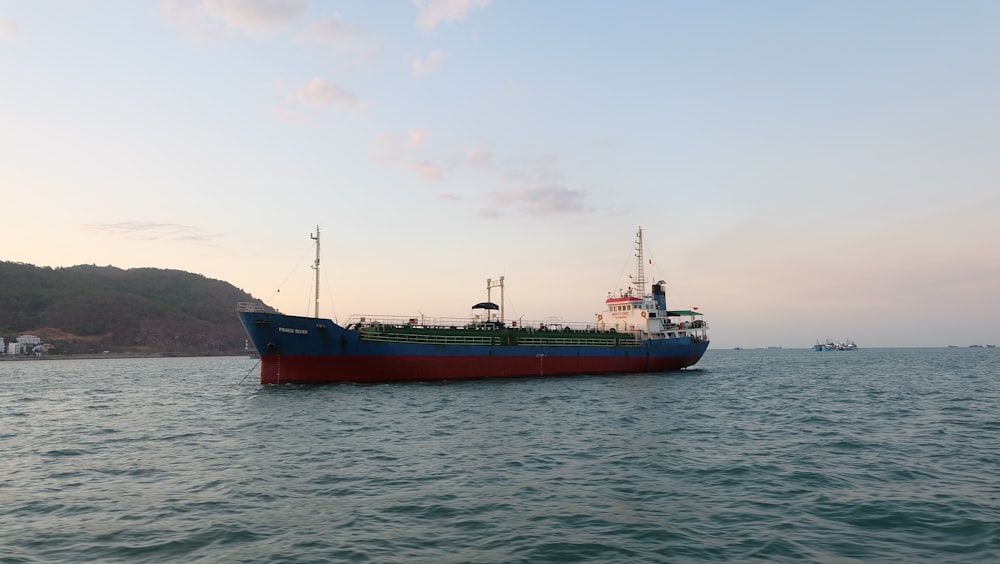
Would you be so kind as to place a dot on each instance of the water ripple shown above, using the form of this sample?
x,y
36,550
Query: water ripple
x,y
778,456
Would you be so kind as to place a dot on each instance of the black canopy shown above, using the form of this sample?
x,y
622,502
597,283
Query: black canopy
x,y
486,305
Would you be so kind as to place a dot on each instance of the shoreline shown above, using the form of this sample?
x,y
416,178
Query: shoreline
x,y
8,358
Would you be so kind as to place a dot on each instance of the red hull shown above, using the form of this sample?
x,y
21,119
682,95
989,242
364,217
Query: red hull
x,y
318,369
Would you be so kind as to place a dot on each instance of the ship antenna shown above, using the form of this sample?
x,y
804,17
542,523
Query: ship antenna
x,y
315,267
639,284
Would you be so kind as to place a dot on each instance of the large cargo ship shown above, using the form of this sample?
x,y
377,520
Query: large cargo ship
x,y
634,333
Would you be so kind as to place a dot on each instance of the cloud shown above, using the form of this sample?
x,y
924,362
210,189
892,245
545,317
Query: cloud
x,y
258,16
478,158
423,67
433,12
489,213
320,93
416,137
335,31
546,200
538,187
427,169
214,20
150,231
9,29
404,149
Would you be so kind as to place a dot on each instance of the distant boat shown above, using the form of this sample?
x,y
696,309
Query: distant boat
x,y
634,333
830,345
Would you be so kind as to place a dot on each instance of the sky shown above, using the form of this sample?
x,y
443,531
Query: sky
x,y
801,170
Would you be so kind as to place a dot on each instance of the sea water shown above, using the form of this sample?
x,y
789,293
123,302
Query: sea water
x,y
889,455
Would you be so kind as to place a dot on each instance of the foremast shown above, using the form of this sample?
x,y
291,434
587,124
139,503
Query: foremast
x,y
315,267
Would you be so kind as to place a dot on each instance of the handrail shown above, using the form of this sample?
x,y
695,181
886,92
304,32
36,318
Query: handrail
x,y
465,322
495,339
577,342
430,338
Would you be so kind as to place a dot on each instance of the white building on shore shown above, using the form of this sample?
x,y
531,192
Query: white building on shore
x,y
25,344
29,340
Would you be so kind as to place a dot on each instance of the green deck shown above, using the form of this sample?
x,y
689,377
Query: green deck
x,y
495,335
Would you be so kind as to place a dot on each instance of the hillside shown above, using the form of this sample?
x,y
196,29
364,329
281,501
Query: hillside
x,y
90,309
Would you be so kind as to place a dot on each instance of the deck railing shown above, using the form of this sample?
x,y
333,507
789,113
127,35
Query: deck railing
x,y
576,342
430,338
482,324
494,339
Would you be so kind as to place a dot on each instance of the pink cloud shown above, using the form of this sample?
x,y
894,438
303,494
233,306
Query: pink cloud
x,y
399,150
429,65
344,36
416,137
433,12
9,29
213,20
427,169
320,93
540,190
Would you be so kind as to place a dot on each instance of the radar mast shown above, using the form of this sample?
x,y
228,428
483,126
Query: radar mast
x,y
639,282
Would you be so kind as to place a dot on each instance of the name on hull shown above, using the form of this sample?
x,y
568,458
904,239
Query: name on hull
x,y
293,331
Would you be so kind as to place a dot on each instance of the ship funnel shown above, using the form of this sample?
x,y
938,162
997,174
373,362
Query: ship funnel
x,y
660,295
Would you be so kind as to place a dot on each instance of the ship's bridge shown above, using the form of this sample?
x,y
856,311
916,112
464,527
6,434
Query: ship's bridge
x,y
645,318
